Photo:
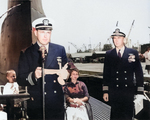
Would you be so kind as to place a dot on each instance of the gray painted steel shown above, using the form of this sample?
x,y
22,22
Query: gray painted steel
x,y
101,111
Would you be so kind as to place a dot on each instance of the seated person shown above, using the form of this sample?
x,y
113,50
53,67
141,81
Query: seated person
x,y
76,94
3,115
11,87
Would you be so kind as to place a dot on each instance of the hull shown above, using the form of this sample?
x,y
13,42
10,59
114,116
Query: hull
x,y
16,33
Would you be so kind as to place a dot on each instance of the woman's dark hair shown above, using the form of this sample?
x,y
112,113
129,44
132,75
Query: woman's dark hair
x,y
74,69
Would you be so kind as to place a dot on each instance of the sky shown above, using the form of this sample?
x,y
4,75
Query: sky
x,y
93,21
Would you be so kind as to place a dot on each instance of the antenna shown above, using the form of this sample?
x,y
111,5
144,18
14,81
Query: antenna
x,y
117,24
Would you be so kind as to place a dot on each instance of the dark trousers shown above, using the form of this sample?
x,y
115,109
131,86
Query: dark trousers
x,y
122,106
36,114
122,111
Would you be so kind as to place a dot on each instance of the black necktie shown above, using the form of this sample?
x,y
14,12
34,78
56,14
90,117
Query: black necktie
x,y
45,57
119,54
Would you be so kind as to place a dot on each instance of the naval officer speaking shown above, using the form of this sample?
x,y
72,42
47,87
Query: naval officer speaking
x,y
29,73
121,68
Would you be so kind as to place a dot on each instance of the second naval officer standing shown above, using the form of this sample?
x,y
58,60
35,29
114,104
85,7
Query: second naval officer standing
x,y
121,68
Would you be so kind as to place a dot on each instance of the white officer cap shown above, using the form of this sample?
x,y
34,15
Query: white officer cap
x,y
43,23
117,32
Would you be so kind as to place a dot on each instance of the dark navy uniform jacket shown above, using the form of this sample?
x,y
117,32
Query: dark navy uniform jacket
x,y
121,80
28,62
119,73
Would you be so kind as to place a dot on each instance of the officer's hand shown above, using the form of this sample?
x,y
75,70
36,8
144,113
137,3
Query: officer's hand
x,y
38,72
61,80
105,97
63,73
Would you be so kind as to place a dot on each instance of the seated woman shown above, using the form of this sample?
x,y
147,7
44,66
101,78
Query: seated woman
x,y
76,94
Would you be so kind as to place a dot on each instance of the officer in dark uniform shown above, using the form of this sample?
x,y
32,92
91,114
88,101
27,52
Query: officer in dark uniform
x,y
29,73
122,78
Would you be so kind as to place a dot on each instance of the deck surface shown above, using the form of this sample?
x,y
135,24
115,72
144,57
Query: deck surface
x,y
101,111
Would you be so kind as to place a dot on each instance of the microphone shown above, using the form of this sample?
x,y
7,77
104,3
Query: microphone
x,y
43,51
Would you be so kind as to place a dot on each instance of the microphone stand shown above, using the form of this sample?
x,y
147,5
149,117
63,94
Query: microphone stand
x,y
59,62
43,86
44,54
60,66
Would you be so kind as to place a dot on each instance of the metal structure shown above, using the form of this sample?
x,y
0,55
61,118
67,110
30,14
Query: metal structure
x,y
16,32
128,43
78,49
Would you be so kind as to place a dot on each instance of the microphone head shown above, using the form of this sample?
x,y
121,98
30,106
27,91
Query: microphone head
x,y
43,51
42,48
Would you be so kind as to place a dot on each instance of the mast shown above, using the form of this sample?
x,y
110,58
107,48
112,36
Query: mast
x,y
128,43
